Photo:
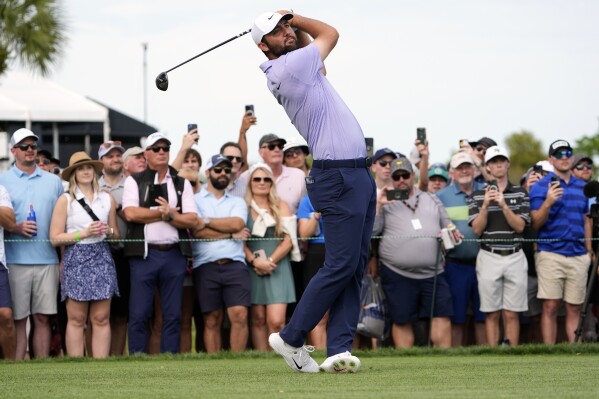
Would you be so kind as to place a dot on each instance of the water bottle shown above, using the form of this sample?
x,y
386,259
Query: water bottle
x,y
32,218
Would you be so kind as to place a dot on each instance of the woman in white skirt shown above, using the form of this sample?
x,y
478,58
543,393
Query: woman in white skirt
x,y
81,220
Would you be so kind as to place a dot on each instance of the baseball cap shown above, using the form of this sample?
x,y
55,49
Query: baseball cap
x,y
496,151
487,142
132,151
154,138
265,23
269,138
460,158
45,153
382,152
438,171
296,143
557,144
575,159
108,146
20,135
401,163
216,160
546,165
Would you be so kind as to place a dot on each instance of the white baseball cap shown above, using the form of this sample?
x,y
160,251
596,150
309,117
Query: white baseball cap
x,y
265,23
460,158
155,137
496,151
21,135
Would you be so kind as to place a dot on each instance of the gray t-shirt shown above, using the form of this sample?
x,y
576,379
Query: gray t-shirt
x,y
423,220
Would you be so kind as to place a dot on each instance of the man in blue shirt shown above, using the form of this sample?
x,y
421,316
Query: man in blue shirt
x,y
340,185
31,259
558,208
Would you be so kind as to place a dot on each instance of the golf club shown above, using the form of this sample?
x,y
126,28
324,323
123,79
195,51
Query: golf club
x,y
162,78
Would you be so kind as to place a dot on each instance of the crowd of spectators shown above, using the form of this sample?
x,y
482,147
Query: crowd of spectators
x,y
135,247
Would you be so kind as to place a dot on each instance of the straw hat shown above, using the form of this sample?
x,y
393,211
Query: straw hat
x,y
78,159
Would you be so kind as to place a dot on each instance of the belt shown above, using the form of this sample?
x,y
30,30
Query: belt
x,y
162,247
501,251
223,261
470,262
342,163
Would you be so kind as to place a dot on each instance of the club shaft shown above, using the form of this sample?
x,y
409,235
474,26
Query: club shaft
x,y
210,49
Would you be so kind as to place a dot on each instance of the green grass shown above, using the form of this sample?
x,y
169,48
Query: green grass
x,y
479,372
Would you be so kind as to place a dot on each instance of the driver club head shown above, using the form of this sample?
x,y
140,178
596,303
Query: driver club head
x,y
162,81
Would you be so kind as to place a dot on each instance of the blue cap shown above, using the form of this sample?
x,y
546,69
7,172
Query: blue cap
x,y
216,160
381,153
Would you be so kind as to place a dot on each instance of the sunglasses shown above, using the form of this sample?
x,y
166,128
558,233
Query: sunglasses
x,y
561,154
293,152
157,149
583,167
399,176
43,161
261,179
480,148
384,163
272,146
218,170
109,144
25,147
232,158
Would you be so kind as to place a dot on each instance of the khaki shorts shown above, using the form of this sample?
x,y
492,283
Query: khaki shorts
x,y
502,281
562,277
34,289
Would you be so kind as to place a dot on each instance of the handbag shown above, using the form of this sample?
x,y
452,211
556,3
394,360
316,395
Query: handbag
x,y
374,320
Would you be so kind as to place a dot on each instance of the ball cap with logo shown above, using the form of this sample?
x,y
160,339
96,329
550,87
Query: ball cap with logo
x,y
265,23
460,158
494,152
557,144
382,152
154,138
20,135
216,160
401,163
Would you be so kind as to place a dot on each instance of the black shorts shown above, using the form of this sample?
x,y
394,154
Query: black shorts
x,y
314,261
219,286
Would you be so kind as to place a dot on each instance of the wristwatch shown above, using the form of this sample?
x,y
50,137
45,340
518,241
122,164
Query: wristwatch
x,y
206,220
170,216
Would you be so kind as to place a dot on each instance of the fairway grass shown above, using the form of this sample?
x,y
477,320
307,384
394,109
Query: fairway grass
x,y
523,372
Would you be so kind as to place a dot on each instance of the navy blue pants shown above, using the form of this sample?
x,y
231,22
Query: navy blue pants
x,y
165,269
347,199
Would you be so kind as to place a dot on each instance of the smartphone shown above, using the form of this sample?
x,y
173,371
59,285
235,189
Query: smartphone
x,y
421,135
153,191
190,127
249,108
492,185
538,169
260,254
464,143
369,146
554,180
398,195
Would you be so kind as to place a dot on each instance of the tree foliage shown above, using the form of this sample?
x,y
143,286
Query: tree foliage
x,y
32,32
588,145
525,150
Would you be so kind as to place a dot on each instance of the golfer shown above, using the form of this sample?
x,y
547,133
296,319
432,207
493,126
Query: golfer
x,y
340,185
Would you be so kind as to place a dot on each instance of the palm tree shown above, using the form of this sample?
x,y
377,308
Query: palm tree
x,y
32,32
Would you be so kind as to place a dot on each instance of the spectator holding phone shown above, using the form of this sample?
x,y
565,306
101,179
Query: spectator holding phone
x,y
187,156
272,280
558,208
220,274
409,266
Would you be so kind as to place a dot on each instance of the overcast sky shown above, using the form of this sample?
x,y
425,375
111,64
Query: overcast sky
x,y
460,68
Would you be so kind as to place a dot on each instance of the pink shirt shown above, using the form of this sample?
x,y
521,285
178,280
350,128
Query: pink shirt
x,y
160,232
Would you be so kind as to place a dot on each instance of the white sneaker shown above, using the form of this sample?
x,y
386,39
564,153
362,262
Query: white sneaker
x,y
298,359
341,363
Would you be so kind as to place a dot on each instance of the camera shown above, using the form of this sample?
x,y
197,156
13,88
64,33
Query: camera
x,y
493,185
397,195
249,108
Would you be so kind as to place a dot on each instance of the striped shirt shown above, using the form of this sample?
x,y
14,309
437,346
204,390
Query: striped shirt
x,y
497,228
566,217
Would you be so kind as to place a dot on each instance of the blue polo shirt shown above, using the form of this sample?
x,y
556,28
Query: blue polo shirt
x,y
566,216
456,203
227,206
40,189
303,212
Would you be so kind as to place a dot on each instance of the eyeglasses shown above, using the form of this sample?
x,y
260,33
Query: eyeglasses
x,y
25,147
165,148
43,161
293,152
581,166
232,158
561,154
109,144
261,179
272,146
399,176
384,163
218,170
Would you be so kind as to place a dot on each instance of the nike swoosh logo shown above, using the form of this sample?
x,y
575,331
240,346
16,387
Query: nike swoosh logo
x,y
271,16
297,365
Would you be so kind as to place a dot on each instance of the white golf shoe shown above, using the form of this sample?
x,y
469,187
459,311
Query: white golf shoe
x,y
298,359
341,363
